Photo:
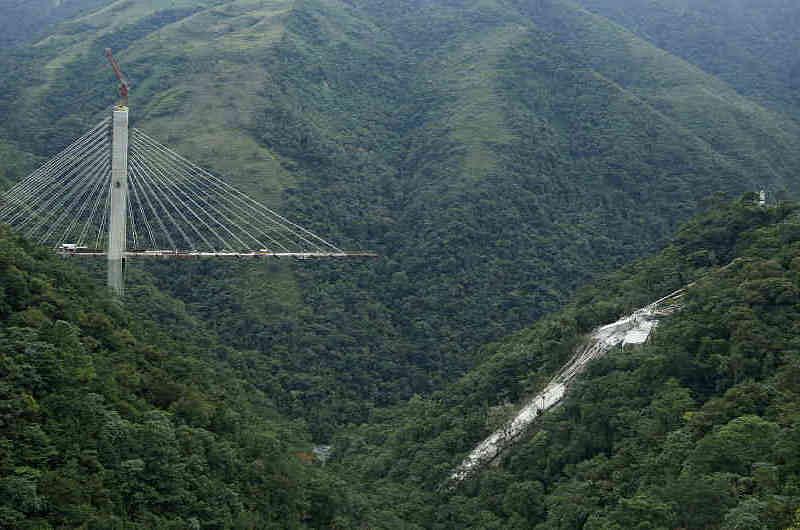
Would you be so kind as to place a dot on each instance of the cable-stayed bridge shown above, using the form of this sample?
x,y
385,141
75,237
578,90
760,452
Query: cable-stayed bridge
x,y
119,193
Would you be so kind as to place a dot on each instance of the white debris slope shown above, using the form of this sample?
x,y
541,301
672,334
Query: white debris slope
x,y
632,329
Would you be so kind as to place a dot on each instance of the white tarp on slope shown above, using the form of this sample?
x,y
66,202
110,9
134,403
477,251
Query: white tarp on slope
x,y
632,329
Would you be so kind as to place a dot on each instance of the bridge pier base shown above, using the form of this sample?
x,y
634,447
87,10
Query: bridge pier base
x,y
116,276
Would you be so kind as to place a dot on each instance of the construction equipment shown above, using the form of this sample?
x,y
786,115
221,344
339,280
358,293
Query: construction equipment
x,y
124,85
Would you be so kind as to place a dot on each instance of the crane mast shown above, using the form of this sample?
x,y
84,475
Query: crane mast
x,y
124,86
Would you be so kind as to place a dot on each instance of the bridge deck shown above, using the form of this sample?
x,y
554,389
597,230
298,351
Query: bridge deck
x,y
171,254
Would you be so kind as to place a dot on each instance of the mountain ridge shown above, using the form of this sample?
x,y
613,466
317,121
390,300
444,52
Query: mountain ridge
x,y
495,170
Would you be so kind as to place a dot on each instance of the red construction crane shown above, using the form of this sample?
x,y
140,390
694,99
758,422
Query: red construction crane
x,y
123,81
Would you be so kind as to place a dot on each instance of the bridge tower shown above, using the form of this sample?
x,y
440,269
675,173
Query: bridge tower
x,y
115,188
117,235
118,218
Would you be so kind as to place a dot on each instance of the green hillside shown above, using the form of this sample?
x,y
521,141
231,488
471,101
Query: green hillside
x,y
698,429
498,154
750,45
118,419
24,22
514,163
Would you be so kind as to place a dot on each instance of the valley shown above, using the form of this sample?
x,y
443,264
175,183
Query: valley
x,y
526,170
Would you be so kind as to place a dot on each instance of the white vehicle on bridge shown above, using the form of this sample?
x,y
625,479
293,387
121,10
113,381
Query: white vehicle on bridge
x,y
72,247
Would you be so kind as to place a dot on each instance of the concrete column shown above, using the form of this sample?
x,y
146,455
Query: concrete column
x,y
118,218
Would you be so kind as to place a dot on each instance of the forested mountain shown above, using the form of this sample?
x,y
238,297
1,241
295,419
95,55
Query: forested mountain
x,y
139,418
24,21
697,429
750,45
497,154
113,420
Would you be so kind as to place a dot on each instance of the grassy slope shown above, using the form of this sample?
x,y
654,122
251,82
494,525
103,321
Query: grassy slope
x,y
498,154
23,22
212,93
